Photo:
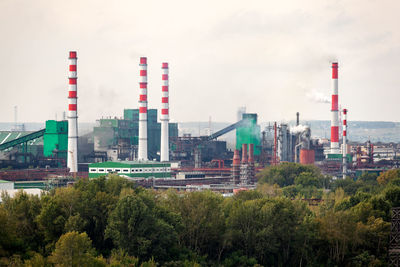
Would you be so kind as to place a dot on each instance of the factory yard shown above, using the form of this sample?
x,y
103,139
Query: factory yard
x,y
199,133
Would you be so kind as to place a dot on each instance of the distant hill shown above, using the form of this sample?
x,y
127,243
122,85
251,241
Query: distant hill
x,y
359,131
83,128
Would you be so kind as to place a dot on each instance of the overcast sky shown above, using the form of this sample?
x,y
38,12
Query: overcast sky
x,y
271,56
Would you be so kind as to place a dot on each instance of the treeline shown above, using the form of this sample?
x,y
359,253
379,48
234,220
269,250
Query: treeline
x,y
111,222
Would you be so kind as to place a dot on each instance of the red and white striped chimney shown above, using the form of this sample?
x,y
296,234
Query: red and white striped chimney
x,y
164,113
344,150
72,155
142,153
335,111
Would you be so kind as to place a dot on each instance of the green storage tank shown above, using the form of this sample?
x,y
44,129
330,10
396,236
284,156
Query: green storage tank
x,y
55,139
249,133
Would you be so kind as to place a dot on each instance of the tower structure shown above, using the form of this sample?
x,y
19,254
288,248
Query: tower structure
x,y
142,150
251,166
164,114
236,167
244,170
72,153
344,150
335,111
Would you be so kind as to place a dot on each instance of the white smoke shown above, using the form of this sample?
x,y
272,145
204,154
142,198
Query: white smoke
x,y
318,97
298,129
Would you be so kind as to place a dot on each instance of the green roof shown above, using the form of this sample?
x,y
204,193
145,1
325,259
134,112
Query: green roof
x,y
128,164
6,136
4,181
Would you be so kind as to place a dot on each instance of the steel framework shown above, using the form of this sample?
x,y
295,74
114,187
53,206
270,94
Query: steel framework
x,y
394,244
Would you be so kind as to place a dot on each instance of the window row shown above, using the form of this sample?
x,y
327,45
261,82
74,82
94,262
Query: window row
x,y
127,170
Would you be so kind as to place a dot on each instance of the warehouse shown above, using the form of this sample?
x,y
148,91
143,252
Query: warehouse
x,y
133,169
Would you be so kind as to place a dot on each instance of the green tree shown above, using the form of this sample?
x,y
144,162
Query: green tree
x,y
387,176
284,174
22,211
306,179
340,232
37,260
203,221
121,258
74,249
141,228
268,230
392,194
9,240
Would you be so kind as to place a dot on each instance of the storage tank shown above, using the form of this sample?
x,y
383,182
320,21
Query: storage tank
x,y
307,156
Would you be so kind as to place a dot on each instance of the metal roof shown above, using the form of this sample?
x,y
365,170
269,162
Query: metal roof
x,y
128,164
6,136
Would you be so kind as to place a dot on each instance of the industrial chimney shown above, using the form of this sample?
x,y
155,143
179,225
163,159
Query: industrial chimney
x,y
142,153
236,167
335,111
251,166
344,150
244,175
72,155
164,114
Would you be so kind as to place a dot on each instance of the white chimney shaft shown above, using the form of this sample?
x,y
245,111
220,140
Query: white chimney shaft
x,y
344,151
72,153
164,114
142,153
335,111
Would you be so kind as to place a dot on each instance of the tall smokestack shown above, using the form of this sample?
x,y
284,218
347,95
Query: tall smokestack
x,y
335,111
251,153
251,163
244,170
142,153
72,157
244,154
297,118
236,167
344,151
164,114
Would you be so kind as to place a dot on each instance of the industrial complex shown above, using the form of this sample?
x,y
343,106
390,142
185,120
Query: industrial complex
x,y
144,146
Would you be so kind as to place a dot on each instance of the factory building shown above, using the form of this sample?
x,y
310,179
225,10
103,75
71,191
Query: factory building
x,y
132,169
21,153
55,139
249,133
119,137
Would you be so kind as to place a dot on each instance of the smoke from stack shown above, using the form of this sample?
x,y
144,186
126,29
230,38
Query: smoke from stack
x,y
72,155
142,153
298,129
335,111
318,97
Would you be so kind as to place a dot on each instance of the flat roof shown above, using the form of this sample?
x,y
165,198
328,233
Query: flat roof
x,y
129,164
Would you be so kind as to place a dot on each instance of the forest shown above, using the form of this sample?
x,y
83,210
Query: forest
x,y
295,217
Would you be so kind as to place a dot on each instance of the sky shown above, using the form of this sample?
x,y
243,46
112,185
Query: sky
x,y
273,57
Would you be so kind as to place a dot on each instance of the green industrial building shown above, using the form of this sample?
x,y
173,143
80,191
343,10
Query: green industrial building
x,y
249,133
338,157
121,135
55,139
29,146
132,169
